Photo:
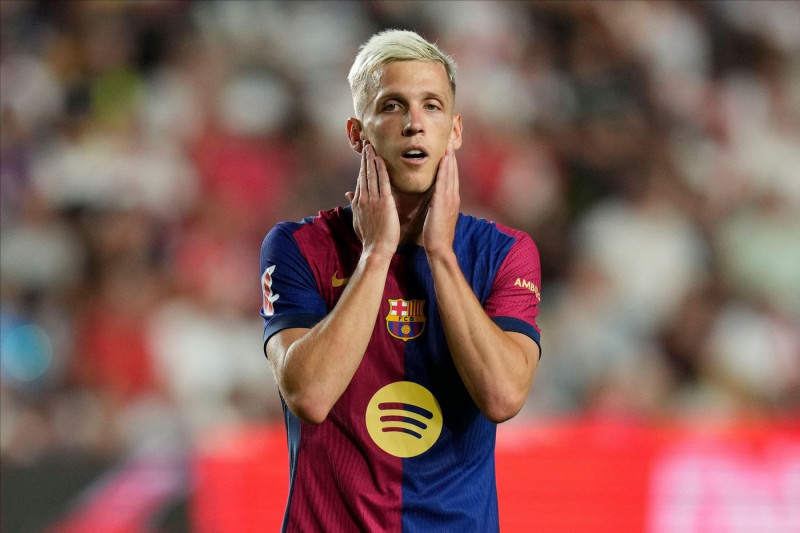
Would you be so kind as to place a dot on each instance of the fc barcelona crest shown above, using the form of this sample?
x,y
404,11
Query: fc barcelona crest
x,y
406,318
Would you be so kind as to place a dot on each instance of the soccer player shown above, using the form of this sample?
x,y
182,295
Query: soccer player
x,y
400,331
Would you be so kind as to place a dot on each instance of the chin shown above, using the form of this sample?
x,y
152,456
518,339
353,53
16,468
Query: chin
x,y
412,184
412,188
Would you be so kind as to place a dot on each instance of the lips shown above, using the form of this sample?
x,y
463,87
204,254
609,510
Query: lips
x,y
415,155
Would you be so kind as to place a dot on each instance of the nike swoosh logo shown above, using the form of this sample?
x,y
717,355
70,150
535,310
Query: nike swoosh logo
x,y
338,282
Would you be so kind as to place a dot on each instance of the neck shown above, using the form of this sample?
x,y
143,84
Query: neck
x,y
412,209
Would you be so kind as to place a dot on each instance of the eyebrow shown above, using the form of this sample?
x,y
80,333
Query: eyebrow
x,y
394,95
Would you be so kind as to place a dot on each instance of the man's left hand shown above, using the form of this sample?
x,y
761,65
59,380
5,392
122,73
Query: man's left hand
x,y
440,222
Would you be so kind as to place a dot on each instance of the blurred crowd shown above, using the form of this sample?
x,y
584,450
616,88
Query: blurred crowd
x,y
651,149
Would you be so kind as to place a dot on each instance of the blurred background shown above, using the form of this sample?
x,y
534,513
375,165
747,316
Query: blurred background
x,y
649,148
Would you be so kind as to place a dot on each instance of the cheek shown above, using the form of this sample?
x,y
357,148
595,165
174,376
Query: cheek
x,y
369,133
373,124
376,137
440,152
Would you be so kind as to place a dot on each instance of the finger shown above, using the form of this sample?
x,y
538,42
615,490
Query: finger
x,y
384,185
372,178
443,175
361,176
454,168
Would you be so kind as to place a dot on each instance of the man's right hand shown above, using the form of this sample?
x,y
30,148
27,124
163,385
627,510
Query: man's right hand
x,y
313,367
375,218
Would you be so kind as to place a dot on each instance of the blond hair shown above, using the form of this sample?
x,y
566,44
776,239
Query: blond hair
x,y
387,47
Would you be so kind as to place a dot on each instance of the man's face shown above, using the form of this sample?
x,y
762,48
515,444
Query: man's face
x,y
409,120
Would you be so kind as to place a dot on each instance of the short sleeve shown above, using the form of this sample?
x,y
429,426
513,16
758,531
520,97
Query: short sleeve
x,y
513,303
290,296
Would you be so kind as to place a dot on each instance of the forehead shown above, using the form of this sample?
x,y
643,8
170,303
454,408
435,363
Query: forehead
x,y
412,78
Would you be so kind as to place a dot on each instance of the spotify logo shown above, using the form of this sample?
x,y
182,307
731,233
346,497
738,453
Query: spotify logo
x,y
404,419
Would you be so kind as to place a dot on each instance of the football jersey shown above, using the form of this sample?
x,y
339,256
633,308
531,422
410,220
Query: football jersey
x,y
404,448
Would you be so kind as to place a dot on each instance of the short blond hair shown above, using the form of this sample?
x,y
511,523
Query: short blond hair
x,y
387,47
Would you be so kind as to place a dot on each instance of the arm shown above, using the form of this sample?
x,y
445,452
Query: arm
x,y
497,367
314,366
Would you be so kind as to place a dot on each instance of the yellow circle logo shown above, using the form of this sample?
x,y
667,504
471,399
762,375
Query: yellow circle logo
x,y
404,419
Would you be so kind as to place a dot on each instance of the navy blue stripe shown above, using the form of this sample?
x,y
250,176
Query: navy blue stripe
x,y
507,323
299,320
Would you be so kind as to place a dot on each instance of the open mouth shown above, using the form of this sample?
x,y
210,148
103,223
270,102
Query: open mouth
x,y
414,154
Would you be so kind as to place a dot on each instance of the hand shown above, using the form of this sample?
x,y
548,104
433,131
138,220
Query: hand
x,y
375,218
439,230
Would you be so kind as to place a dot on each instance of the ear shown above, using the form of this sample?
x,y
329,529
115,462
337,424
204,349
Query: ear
x,y
455,134
354,134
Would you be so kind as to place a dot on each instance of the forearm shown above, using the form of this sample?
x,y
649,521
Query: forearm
x,y
314,370
496,367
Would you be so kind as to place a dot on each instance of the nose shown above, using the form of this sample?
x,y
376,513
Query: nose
x,y
413,122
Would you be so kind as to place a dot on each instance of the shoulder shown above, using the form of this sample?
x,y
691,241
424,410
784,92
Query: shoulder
x,y
483,232
523,243
330,224
486,244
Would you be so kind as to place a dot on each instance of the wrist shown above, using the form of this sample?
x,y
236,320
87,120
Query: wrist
x,y
375,259
442,258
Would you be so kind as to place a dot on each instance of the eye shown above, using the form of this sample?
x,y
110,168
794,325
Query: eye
x,y
433,106
390,106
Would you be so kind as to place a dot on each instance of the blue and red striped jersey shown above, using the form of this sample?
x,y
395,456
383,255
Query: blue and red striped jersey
x,y
404,448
